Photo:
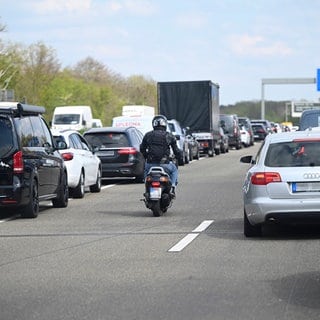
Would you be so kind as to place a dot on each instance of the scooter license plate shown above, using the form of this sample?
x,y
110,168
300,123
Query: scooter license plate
x,y
155,193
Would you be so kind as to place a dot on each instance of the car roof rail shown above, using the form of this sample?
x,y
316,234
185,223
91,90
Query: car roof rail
x,y
22,109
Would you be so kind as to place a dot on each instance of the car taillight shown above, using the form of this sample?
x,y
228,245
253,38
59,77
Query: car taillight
x,y
263,178
204,144
18,166
67,156
127,151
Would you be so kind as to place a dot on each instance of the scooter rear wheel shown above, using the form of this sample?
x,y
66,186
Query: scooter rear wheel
x,y
156,209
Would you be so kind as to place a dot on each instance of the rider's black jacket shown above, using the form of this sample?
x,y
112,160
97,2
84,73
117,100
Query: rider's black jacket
x,y
156,144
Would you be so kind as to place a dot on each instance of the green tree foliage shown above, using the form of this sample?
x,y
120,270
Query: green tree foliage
x,y
38,67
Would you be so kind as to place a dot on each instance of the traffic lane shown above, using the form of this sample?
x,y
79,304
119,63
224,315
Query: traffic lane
x,y
62,246
221,277
202,280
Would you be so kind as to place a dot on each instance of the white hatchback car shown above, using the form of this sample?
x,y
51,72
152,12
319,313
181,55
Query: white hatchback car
x,y
245,136
83,166
283,181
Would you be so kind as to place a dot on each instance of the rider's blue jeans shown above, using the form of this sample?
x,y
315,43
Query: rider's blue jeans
x,y
170,168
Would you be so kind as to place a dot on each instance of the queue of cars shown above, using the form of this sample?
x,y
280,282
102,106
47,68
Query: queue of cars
x,y
40,164
37,164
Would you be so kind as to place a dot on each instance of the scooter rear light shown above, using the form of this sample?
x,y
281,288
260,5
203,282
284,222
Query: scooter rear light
x,y
164,179
148,179
155,184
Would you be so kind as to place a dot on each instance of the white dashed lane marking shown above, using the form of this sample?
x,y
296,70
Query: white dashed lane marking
x,y
191,236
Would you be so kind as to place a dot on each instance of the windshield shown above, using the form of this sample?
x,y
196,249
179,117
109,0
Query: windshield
x,y
67,118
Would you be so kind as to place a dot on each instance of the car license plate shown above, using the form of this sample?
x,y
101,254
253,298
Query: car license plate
x,y
109,153
155,193
306,187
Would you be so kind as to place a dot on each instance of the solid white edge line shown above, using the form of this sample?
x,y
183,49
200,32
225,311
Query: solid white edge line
x,y
203,226
184,242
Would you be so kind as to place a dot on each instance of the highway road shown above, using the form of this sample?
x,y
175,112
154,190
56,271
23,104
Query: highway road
x,y
105,257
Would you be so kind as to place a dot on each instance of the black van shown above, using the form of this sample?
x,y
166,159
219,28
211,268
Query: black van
x,y
230,126
309,119
31,168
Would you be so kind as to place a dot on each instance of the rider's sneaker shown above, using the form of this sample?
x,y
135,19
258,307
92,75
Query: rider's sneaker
x,y
173,192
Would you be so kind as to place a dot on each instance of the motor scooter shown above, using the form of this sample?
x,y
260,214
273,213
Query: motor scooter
x,y
158,197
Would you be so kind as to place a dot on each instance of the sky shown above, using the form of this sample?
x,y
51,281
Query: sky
x,y
235,43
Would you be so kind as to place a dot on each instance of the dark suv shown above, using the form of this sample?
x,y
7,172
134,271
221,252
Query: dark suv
x,y
119,151
31,168
230,126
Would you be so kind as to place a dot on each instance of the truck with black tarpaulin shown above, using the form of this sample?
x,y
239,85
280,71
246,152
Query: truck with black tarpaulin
x,y
195,104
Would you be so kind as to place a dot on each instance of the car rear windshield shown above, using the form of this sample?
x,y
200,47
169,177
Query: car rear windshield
x,y
310,120
6,136
108,139
66,118
227,122
293,154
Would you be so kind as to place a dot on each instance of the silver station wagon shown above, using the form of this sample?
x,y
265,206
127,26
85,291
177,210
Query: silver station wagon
x,y
283,182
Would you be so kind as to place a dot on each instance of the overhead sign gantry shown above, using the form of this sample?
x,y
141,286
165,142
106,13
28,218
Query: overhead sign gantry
x,y
275,81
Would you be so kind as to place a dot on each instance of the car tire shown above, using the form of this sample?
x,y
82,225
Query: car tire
x,y
97,186
182,160
249,230
32,208
61,201
78,191
140,178
186,157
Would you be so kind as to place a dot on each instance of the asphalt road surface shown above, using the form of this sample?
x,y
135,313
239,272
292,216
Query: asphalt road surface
x,y
107,257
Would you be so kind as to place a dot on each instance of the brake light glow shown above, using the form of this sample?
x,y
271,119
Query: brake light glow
x,y
155,184
67,156
9,201
263,178
127,151
18,166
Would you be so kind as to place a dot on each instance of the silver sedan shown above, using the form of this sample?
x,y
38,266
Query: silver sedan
x,y
283,181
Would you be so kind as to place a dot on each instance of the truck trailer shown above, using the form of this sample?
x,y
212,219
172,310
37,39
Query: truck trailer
x,y
195,104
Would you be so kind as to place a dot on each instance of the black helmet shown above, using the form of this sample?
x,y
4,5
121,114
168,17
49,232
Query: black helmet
x,y
159,121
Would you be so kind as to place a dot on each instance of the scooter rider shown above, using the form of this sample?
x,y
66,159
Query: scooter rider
x,y
155,147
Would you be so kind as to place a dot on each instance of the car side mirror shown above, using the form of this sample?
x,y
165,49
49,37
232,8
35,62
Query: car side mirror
x,y
247,159
61,145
